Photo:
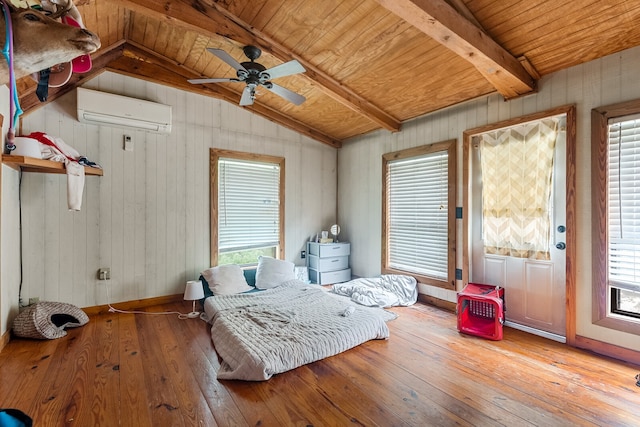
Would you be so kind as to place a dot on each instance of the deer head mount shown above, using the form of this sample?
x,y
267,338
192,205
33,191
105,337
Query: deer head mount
x,y
40,42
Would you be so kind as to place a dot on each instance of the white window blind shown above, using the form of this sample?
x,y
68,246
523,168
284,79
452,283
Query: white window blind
x,y
248,205
418,212
624,203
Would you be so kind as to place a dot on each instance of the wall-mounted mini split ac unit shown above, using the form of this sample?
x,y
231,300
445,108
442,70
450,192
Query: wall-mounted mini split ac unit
x,y
101,108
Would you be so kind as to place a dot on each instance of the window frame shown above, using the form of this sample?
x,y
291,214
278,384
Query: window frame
x,y
214,155
450,147
601,293
615,309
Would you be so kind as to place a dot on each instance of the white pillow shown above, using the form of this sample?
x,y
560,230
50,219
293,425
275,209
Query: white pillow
x,y
226,280
273,272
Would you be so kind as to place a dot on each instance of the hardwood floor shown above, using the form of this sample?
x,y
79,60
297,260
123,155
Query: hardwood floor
x,y
139,370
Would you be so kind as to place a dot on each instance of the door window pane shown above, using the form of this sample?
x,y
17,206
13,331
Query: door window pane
x,y
517,167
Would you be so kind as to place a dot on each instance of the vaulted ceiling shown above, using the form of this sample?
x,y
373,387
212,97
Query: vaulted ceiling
x,y
370,64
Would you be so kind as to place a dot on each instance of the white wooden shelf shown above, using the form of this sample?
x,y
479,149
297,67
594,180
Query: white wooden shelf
x,y
31,164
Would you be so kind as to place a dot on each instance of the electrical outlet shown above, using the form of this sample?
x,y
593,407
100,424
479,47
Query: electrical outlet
x,y
104,274
303,254
34,300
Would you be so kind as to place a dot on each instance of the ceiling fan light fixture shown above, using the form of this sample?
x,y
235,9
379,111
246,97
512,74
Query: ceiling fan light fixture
x,y
254,74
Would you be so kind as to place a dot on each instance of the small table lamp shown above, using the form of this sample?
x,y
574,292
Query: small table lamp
x,y
193,292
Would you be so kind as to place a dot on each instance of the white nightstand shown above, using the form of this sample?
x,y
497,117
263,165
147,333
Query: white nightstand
x,y
328,262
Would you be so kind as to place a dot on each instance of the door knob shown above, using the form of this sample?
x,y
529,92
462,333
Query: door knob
x,y
561,246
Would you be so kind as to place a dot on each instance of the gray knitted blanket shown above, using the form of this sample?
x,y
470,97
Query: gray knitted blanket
x,y
264,333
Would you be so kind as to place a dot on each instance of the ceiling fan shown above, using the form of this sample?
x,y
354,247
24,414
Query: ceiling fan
x,y
254,74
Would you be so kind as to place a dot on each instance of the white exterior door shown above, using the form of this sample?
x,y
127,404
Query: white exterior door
x,y
534,289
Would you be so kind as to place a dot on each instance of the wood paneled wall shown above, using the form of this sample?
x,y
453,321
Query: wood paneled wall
x,y
147,218
601,82
10,249
9,232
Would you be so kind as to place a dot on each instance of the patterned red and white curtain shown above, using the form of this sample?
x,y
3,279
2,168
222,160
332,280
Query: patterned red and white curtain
x,y
517,169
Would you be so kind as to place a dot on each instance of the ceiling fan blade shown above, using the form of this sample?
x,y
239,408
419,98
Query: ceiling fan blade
x,y
220,80
286,94
247,96
286,69
226,58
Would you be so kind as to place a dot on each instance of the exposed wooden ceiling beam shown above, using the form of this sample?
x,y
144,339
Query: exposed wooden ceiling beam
x,y
463,10
444,24
208,17
143,63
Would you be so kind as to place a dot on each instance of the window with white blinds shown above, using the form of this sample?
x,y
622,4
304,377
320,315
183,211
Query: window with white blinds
x,y
247,207
624,211
418,211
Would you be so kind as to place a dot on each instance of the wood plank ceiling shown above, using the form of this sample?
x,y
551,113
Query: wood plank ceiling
x,y
370,64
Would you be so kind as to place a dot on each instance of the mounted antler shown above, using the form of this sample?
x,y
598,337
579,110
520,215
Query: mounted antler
x,y
60,8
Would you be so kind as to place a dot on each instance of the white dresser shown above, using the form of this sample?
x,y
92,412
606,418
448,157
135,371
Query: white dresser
x,y
328,262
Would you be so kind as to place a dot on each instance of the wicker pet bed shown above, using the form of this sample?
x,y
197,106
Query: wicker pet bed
x,y
48,320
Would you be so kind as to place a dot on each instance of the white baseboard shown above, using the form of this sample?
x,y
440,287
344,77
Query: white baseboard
x,y
534,331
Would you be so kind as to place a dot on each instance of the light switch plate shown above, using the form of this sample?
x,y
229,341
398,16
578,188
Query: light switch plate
x,y
128,143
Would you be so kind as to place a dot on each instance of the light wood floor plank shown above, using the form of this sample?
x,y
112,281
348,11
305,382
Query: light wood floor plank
x,y
158,370
163,402
527,373
25,370
179,374
134,407
62,392
103,374
376,374
216,395
329,382
468,384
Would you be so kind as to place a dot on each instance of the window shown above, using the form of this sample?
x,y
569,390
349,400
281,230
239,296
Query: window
x,y
616,200
419,213
624,215
247,207
625,302
517,169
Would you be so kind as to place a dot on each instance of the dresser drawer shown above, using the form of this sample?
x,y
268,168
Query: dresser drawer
x,y
328,264
329,250
329,277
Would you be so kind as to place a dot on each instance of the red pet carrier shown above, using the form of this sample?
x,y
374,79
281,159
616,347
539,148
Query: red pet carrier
x,y
481,311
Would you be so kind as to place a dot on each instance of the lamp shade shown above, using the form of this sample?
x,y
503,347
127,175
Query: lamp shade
x,y
194,290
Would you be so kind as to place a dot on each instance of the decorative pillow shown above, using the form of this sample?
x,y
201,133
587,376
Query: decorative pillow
x,y
226,279
273,272
250,275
